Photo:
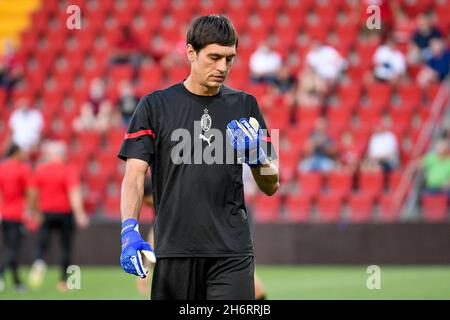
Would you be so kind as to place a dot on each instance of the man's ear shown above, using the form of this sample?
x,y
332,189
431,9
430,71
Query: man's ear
x,y
190,52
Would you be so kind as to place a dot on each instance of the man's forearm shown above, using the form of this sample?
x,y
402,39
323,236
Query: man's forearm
x,y
131,197
76,201
266,177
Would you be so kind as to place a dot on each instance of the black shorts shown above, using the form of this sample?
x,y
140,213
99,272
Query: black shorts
x,y
224,278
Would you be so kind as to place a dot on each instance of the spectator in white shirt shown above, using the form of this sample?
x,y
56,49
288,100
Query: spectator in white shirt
x,y
389,62
383,149
325,61
26,124
265,64
318,78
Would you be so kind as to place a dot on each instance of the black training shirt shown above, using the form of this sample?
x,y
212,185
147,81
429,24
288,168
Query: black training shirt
x,y
199,206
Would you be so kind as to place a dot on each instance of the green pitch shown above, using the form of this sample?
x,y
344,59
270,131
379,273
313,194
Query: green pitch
x,y
281,282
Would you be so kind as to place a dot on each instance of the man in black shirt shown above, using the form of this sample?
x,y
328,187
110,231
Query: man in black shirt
x,y
202,235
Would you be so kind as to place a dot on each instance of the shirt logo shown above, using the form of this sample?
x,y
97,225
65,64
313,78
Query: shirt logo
x,y
205,121
201,136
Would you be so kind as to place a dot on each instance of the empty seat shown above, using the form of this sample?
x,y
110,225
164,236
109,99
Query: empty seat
x,y
389,209
298,208
310,183
340,183
371,182
288,165
360,207
434,207
266,209
329,207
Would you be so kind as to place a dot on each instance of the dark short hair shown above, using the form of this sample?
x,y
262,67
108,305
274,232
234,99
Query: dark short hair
x,y
148,189
213,28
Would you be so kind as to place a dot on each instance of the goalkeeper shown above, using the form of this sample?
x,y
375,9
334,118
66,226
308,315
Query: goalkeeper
x,y
204,248
143,284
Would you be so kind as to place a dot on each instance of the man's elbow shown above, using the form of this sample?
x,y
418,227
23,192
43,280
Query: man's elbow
x,y
270,191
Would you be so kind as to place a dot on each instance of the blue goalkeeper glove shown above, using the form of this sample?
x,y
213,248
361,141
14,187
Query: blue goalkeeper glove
x,y
132,247
245,136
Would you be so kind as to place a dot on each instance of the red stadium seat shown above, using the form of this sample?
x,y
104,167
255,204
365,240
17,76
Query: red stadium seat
x,y
340,183
297,136
310,183
88,141
288,165
111,207
435,207
114,138
329,207
368,117
379,95
394,179
349,95
307,116
121,72
410,96
371,182
266,209
360,207
298,208
151,75
389,210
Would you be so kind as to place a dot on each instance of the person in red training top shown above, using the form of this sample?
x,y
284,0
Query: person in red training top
x,y
14,182
56,194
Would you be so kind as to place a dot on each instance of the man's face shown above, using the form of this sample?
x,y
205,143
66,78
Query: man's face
x,y
211,64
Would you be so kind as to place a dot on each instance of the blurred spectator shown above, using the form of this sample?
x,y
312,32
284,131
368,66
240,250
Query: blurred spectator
x,y
437,65
265,63
436,166
326,62
14,184
320,150
389,62
349,153
86,120
11,70
26,124
127,49
422,36
128,101
383,150
284,80
105,119
97,94
56,194
311,89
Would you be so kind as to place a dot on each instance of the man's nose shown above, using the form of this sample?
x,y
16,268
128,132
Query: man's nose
x,y
222,65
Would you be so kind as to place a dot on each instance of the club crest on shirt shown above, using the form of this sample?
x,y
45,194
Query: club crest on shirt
x,y
205,121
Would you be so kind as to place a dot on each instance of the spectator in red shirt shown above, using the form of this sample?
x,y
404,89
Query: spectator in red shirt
x,y
56,193
14,182
127,50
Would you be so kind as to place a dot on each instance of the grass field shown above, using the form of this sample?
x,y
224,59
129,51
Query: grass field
x,y
281,282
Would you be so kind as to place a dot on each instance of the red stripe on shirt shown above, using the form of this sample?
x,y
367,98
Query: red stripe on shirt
x,y
140,133
268,139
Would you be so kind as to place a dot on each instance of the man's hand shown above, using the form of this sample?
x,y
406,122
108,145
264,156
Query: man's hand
x,y
132,247
245,136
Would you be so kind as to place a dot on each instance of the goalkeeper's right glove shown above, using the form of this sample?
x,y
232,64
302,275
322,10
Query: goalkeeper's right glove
x,y
132,247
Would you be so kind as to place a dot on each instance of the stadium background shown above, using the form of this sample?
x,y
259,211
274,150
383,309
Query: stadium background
x,y
315,218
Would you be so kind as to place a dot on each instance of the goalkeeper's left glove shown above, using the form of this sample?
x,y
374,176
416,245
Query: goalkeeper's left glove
x,y
245,136
132,247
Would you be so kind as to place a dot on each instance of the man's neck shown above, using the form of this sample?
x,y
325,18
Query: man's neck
x,y
196,88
